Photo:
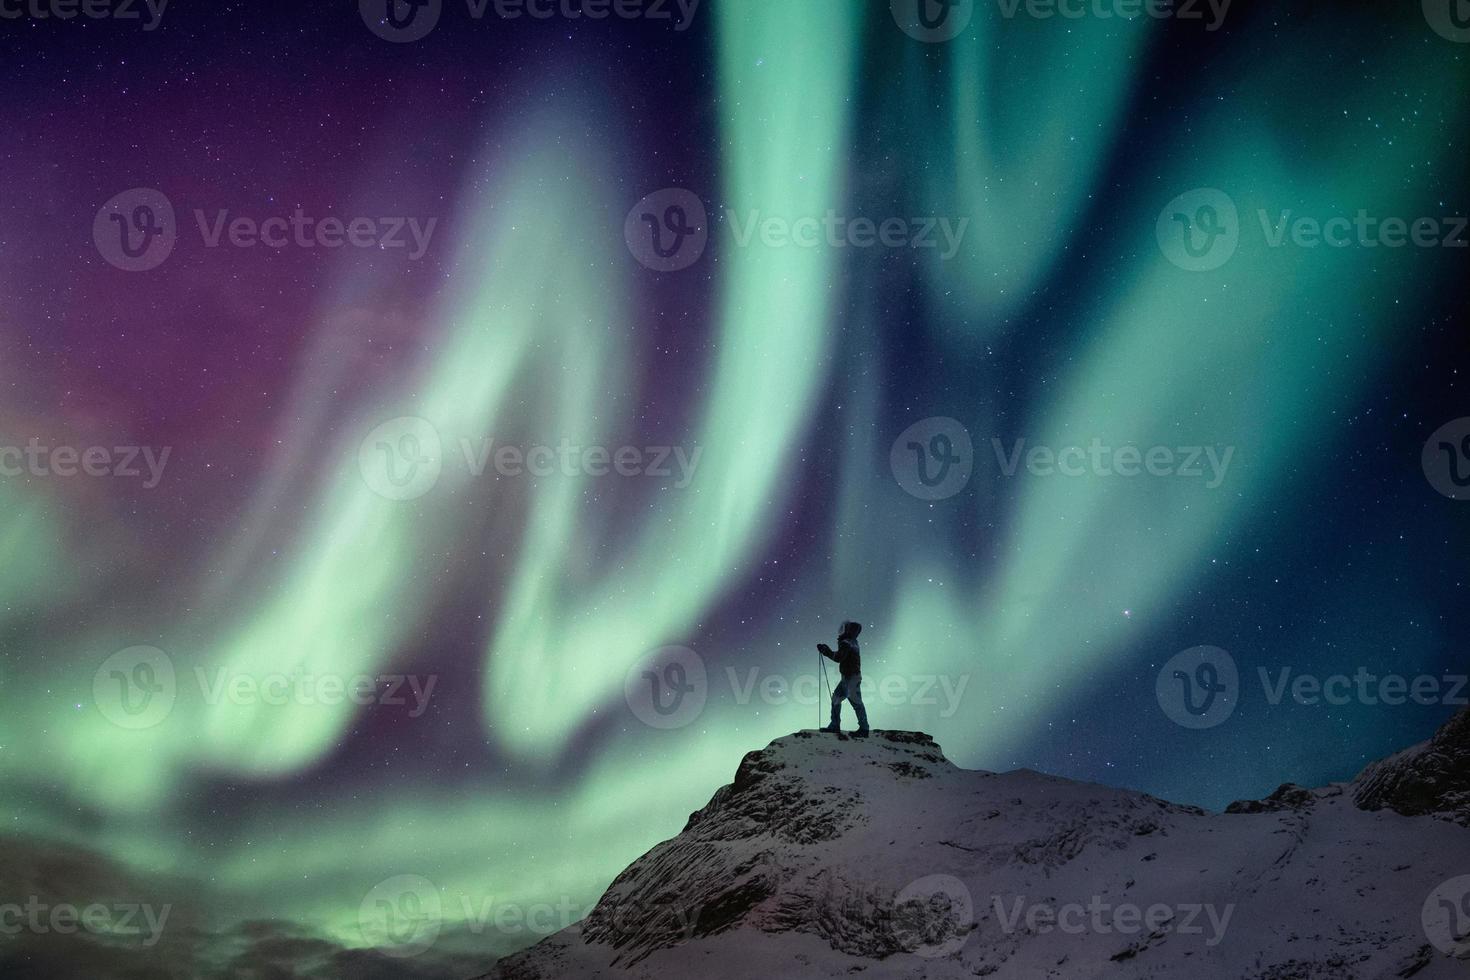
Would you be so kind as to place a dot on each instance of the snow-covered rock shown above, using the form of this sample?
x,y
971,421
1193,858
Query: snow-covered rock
x,y
878,858
1432,778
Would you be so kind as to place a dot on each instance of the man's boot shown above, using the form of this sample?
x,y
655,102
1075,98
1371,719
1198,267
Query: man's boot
x,y
835,727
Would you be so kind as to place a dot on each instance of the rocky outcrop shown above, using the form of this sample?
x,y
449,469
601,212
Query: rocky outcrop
x,y
1431,779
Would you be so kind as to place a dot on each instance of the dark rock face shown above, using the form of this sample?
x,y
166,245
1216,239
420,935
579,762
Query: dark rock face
x,y
1431,779
1289,796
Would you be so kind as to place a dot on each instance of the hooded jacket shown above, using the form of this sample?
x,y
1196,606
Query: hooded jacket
x,y
847,656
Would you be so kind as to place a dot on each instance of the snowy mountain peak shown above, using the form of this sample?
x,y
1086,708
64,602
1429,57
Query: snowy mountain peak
x,y
829,856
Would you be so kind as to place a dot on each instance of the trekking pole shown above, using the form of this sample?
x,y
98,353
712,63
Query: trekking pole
x,y
826,685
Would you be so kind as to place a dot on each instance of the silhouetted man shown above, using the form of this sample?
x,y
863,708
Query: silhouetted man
x,y
850,663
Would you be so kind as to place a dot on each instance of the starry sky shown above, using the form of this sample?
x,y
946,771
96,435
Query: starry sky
x,y
525,152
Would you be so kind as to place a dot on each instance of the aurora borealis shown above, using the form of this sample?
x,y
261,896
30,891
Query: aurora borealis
x,y
505,766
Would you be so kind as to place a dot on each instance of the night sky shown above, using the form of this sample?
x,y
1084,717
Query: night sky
x,y
293,387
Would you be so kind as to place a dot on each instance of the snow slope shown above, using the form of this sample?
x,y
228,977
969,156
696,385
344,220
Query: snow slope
x,y
878,858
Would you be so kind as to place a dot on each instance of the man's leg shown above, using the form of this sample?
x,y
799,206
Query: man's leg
x,y
855,695
838,693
